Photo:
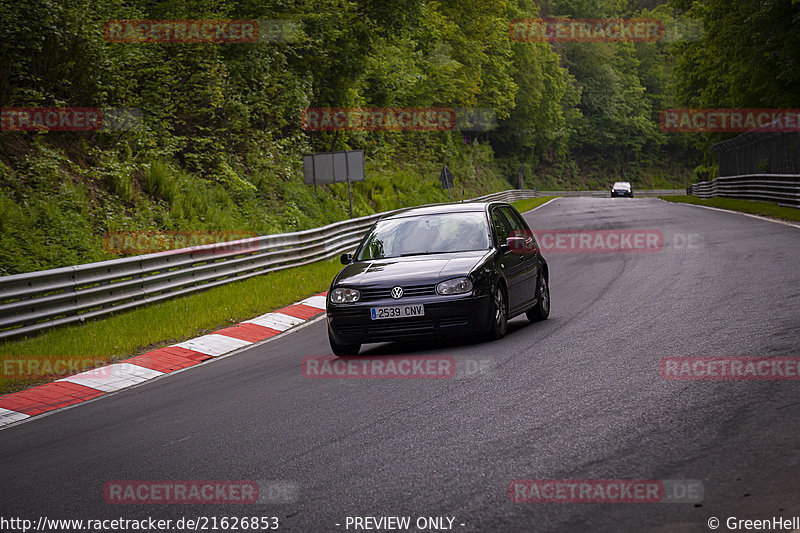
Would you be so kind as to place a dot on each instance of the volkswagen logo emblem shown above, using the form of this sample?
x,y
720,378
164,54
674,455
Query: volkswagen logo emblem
x,y
397,292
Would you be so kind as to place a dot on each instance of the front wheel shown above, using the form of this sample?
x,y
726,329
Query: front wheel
x,y
342,350
542,308
499,315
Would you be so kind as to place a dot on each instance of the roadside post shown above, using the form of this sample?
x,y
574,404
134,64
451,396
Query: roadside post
x,y
446,177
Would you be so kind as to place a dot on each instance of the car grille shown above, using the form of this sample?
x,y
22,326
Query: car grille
x,y
350,330
391,329
350,312
408,290
406,327
453,321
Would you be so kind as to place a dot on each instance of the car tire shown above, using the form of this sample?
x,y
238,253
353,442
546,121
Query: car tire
x,y
541,310
343,350
499,316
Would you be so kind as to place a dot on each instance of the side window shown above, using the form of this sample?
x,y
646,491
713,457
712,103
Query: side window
x,y
519,225
502,228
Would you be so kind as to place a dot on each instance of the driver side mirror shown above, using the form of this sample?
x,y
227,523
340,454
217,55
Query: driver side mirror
x,y
346,259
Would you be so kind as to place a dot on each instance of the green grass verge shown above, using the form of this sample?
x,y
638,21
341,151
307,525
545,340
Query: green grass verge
x,y
142,330
530,203
767,209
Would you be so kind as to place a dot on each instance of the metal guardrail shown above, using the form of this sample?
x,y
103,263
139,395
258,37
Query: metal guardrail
x,y
781,188
37,300
649,193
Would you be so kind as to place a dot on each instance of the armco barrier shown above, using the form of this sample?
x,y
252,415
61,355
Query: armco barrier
x,y
781,188
37,300
649,193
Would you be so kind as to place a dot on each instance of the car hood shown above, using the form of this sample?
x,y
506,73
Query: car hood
x,y
415,270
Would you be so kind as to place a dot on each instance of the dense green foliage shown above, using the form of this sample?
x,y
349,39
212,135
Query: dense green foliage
x,y
220,143
748,57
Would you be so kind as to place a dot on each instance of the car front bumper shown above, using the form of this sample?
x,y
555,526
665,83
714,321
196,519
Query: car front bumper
x,y
445,316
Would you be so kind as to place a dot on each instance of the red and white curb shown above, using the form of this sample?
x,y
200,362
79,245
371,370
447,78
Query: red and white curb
x,y
78,388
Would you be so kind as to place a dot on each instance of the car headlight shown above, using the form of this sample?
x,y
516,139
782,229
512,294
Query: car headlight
x,y
454,286
345,296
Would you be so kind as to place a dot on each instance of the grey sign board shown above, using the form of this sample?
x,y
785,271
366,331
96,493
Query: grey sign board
x,y
333,167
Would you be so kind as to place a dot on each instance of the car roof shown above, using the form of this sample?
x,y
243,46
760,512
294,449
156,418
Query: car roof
x,y
439,209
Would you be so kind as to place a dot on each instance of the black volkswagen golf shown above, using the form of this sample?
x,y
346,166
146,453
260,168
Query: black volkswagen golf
x,y
438,271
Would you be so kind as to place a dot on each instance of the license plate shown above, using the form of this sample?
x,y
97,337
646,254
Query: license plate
x,y
397,311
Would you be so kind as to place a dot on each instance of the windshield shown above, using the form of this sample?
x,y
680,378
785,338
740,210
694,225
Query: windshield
x,y
429,234
622,185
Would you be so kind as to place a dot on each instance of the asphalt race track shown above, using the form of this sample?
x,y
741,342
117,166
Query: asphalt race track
x,y
579,396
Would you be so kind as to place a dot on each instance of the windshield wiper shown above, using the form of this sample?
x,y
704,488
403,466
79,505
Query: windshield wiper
x,y
422,253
